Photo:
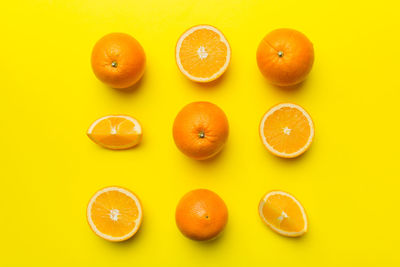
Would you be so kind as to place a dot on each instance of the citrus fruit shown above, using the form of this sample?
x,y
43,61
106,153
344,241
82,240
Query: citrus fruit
x,y
287,130
285,57
283,213
116,132
118,60
200,130
202,53
201,215
114,213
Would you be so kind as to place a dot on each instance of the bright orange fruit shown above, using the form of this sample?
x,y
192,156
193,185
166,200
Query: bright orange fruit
x,y
287,130
118,60
200,130
285,57
201,215
283,213
116,132
114,213
202,53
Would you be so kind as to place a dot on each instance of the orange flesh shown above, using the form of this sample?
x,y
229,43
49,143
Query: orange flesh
x,y
102,213
202,54
272,212
115,132
287,118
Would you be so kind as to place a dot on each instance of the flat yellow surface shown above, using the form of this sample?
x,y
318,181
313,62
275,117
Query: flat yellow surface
x,y
348,181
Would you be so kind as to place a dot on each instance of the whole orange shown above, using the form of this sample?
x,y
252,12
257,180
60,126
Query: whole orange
x,y
200,130
285,57
201,215
118,60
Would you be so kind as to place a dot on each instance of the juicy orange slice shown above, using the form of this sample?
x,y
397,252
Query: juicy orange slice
x,y
116,132
287,130
114,213
202,53
283,213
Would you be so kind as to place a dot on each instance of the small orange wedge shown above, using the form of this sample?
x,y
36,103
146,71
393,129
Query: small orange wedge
x,y
116,132
114,213
202,53
286,130
283,214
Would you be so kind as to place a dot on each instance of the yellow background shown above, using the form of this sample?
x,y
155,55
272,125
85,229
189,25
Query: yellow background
x,y
348,181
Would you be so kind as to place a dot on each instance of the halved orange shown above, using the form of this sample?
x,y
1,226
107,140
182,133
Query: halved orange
x,y
286,130
202,53
283,214
116,132
114,213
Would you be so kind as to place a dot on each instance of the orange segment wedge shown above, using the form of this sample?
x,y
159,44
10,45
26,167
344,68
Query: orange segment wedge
x,y
283,214
116,132
202,53
287,130
114,213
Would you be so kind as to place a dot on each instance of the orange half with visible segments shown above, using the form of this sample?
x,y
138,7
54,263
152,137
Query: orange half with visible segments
x,y
114,213
287,130
202,53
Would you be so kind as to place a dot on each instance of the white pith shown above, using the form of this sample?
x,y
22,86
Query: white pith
x,y
222,39
202,52
137,221
310,123
286,130
284,215
114,214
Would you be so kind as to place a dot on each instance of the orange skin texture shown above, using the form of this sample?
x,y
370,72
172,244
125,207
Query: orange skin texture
x,y
295,63
126,52
196,119
201,215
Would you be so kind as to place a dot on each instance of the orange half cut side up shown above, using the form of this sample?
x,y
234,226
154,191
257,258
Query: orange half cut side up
x,y
286,130
114,213
202,53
